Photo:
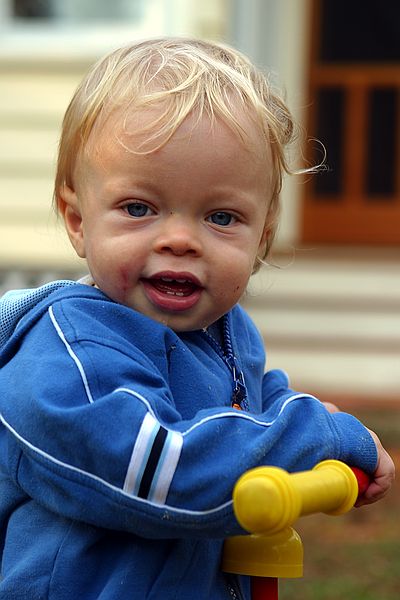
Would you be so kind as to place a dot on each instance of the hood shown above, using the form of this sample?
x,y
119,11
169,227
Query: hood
x,y
14,305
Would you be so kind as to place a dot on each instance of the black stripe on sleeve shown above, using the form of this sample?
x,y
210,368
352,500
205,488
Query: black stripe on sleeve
x,y
152,462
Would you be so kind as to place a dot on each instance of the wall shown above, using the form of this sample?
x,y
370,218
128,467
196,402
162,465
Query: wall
x,y
275,34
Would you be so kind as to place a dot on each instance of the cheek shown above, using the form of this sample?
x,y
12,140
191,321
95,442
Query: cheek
x,y
124,279
126,283
108,273
234,278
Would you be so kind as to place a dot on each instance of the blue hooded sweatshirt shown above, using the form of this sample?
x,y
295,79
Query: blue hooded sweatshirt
x,y
120,447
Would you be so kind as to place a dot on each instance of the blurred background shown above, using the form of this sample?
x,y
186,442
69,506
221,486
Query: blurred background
x,y
331,312
330,306
329,303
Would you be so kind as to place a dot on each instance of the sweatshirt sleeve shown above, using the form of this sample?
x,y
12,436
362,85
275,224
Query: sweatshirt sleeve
x,y
124,459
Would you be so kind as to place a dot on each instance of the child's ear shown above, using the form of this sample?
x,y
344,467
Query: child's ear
x,y
68,206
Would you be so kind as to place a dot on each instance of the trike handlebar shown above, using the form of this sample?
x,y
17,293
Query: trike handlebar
x,y
268,499
266,502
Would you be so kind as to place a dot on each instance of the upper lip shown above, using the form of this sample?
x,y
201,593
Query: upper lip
x,y
180,276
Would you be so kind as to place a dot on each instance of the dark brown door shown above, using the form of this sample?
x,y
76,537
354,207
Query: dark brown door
x,y
354,111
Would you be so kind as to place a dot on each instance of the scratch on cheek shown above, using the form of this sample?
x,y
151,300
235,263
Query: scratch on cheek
x,y
124,279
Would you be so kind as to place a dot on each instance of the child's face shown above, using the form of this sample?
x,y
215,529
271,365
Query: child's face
x,y
173,234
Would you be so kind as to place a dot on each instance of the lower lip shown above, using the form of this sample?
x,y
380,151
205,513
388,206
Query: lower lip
x,y
171,302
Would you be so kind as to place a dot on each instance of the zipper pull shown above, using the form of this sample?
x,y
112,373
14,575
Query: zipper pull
x,y
239,395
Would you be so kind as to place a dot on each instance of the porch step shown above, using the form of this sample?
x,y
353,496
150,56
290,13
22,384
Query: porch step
x,y
333,323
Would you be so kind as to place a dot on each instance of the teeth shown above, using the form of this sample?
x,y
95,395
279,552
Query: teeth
x,y
175,294
169,280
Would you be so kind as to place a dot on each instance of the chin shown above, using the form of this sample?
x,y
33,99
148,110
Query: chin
x,y
180,325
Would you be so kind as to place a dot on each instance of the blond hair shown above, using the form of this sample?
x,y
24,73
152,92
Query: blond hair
x,y
181,76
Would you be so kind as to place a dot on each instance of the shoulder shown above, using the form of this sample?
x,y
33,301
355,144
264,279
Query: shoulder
x,y
89,338
89,315
79,313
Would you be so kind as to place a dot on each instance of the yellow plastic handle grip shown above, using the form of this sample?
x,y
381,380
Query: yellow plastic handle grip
x,y
268,499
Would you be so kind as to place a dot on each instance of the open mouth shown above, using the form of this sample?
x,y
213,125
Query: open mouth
x,y
174,287
174,292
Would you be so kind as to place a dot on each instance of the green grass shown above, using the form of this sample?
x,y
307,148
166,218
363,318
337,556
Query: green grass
x,y
368,571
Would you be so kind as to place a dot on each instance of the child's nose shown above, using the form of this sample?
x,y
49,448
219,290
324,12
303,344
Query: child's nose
x,y
179,236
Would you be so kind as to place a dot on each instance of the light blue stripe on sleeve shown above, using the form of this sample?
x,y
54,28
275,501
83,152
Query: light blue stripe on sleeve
x,y
140,454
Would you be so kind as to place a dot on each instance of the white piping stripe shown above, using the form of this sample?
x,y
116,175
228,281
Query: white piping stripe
x,y
72,354
138,396
166,468
242,415
140,454
108,485
234,414
173,509
173,447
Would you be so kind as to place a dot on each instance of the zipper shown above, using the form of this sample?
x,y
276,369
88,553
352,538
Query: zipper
x,y
238,400
232,592
233,589
239,393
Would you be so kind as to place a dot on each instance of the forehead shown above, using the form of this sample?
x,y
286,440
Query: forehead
x,y
145,131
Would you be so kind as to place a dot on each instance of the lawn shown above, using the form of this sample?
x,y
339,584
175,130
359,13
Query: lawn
x,y
355,556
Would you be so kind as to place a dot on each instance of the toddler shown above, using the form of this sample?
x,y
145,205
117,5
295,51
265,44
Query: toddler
x,y
133,400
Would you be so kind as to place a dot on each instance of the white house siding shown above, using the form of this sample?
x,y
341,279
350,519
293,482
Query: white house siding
x,y
40,66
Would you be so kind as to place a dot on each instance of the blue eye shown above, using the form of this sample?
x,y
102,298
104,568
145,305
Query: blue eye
x,y
138,209
222,219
